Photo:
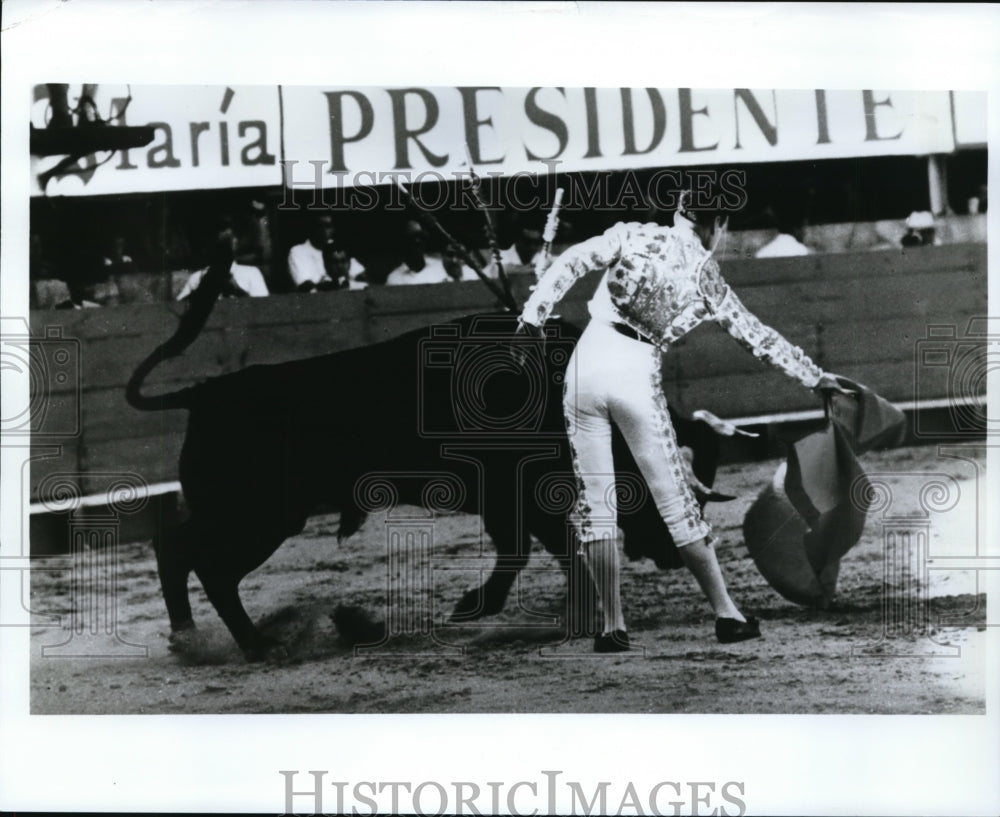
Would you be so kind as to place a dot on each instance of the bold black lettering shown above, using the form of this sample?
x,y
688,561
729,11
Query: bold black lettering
x,y
871,131
403,134
224,142
593,141
769,130
822,119
197,128
473,123
262,157
335,107
227,99
687,127
549,121
628,121
167,148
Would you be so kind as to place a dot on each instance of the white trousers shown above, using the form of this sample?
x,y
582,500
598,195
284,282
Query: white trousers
x,y
614,378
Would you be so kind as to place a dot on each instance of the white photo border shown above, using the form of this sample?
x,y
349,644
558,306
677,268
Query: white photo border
x,y
790,764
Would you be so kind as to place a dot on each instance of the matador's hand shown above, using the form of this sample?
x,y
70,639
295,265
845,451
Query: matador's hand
x,y
525,329
523,335
830,383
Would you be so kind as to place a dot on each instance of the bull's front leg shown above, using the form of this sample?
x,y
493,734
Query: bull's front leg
x,y
489,598
222,590
513,544
504,487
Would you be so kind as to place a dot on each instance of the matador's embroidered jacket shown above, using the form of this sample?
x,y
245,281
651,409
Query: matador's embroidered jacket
x,y
662,282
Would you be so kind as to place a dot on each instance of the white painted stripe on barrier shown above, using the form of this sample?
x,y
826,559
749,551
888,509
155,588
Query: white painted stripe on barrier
x,y
763,419
816,414
96,500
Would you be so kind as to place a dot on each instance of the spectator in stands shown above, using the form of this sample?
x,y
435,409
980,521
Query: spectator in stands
x,y
307,263
788,241
81,296
40,264
338,264
258,248
66,280
566,234
455,266
90,286
117,261
243,280
521,254
978,203
920,230
418,267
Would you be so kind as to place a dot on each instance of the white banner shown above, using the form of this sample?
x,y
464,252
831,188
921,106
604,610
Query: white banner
x,y
362,134
969,111
205,137
222,137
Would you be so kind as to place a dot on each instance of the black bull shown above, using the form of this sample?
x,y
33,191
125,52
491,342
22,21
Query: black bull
x,y
439,416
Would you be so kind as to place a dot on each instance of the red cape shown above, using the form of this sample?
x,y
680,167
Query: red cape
x,y
800,526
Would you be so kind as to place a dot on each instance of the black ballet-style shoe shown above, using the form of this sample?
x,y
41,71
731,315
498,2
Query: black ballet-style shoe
x,y
612,642
731,630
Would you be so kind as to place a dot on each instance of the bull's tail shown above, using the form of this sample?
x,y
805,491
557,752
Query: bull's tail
x,y
201,303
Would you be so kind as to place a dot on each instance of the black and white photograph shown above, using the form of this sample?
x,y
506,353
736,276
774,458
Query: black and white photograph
x,y
452,411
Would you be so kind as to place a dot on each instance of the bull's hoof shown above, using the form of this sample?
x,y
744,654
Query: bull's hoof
x,y
267,649
476,604
356,627
184,638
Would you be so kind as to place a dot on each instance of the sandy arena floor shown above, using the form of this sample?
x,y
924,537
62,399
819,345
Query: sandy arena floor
x,y
832,661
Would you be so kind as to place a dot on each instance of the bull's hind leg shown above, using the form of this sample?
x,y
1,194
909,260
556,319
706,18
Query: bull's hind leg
x,y
174,567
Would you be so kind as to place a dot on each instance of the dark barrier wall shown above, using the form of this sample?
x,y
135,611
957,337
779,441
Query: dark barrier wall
x,y
858,314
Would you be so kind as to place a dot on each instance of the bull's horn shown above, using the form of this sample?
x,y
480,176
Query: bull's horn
x,y
720,426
